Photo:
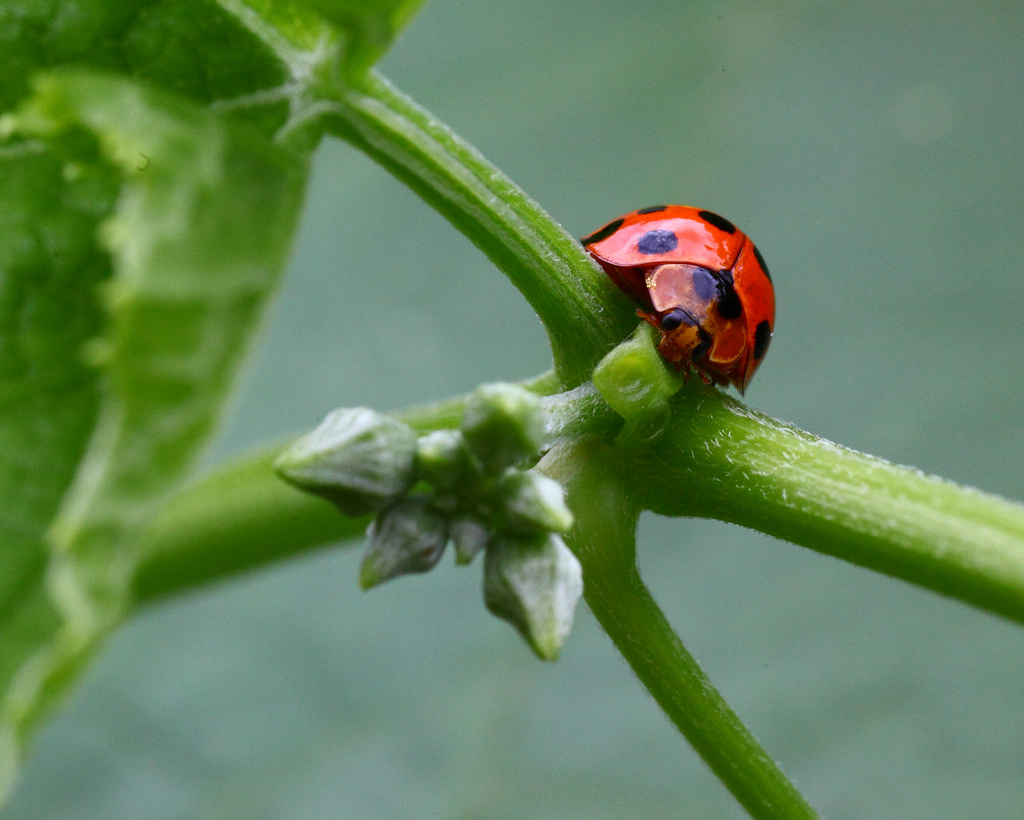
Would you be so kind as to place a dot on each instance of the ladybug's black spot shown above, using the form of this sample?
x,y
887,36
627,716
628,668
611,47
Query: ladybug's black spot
x,y
704,283
653,209
728,302
657,241
762,336
761,262
719,222
603,233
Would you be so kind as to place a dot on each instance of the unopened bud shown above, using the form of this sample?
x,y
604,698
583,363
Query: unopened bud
x,y
405,538
634,378
469,535
532,502
503,424
445,460
357,458
534,582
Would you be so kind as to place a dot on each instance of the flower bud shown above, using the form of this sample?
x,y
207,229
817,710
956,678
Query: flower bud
x,y
503,424
532,502
534,582
469,535
357,458
405,538
445,460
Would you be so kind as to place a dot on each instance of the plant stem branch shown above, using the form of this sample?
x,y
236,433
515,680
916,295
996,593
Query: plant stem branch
x,y
604,540
740,466
583,313
235,520
717,459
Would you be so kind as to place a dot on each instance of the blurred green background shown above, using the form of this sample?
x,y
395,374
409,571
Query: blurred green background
x,y
874,153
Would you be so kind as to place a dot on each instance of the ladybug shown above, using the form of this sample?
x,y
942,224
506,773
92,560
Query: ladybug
x,y
700,281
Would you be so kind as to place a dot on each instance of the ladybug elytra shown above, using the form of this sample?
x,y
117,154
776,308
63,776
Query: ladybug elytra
x,y
700,281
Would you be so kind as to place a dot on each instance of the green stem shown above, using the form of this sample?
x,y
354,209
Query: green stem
x,y
604,541
721,460
582,311
237,519
578,413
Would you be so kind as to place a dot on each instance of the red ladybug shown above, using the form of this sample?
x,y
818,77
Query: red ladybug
x,y
700,281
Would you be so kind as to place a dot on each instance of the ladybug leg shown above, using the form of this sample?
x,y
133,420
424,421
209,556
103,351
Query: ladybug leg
x,y
675,356
671,353
699,354
650,318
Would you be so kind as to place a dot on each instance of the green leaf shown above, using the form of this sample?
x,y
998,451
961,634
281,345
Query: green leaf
x,y
193,48
49,268
371,26
196,242
54,195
